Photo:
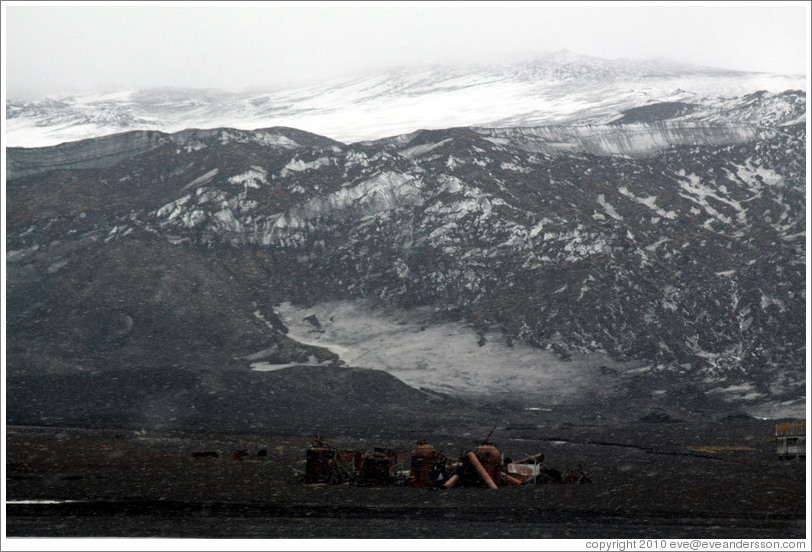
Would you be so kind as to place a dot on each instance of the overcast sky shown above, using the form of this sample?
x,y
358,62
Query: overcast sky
x,y
62,47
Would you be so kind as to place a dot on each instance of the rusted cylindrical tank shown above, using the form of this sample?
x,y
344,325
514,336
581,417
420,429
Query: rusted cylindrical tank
x,y
488,456
483,478
375,468
318,464
424,458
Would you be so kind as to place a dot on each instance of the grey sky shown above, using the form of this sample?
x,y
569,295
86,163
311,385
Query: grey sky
x,y
63,47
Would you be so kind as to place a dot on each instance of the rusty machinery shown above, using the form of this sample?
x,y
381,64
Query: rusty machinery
x,y
482,467
327,464
376,467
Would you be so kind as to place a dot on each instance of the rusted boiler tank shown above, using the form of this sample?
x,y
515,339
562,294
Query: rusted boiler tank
x,y
481,467
319,462
375,468
425,465
487,464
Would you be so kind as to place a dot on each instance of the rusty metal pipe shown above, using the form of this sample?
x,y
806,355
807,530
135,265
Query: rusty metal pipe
x,y
512,480
451,481
481,470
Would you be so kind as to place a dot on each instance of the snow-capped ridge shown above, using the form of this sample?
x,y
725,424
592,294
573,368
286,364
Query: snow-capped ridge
x,y
561,88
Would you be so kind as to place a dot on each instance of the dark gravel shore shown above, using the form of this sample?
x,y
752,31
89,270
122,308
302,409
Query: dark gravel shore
x,y
667,480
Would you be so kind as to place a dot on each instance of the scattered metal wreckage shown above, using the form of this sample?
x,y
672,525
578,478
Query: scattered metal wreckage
x,y
482,467
790,439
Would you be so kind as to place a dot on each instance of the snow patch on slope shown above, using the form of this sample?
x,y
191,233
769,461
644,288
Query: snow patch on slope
x,y
610,210
649,201
251,178
382,192
200,180
422,149
443,356
297,165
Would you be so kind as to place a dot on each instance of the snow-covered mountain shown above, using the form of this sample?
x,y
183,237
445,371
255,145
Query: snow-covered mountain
x,y
571,275
562,88
645,245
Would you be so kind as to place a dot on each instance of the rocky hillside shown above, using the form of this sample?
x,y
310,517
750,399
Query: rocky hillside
x,y
678,246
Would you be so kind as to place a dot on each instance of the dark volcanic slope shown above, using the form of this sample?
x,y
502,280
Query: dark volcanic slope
x,y
107,293
297,400
689,258
138,301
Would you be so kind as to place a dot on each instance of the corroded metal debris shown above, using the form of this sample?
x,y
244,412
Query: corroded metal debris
x,y
483,467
